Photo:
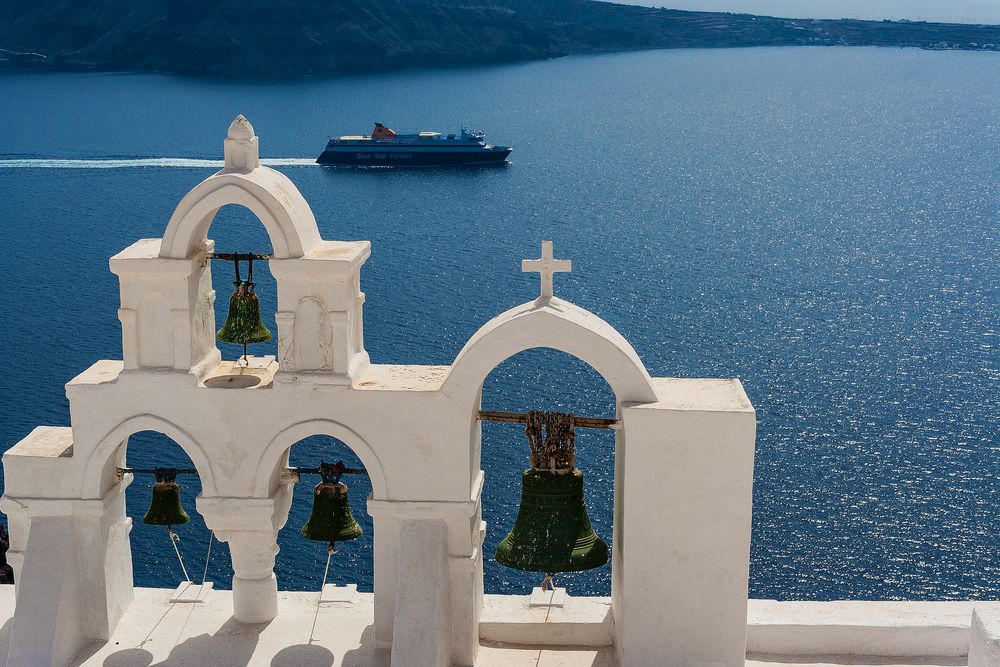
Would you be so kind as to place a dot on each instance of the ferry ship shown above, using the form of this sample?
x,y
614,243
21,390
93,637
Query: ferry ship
x,y
384,147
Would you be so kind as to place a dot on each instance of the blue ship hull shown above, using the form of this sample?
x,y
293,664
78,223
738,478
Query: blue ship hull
x,y
403,157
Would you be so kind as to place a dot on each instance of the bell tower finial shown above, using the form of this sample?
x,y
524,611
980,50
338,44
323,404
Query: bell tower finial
x,y
241,147
545,267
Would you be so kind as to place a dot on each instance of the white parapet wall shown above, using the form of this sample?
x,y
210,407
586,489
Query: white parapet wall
x,y
984,638
859,628
581,621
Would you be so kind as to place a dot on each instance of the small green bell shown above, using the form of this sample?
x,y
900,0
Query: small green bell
x,y
552,532
165,508
331,519
243,325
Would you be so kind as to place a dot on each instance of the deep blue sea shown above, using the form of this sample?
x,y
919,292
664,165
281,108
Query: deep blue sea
x,y
823,223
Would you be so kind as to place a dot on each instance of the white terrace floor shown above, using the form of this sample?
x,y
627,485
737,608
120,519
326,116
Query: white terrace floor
x,y
156,632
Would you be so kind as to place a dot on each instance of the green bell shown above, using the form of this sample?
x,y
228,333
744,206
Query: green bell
x,y
552,532
165,508
331,519
243,325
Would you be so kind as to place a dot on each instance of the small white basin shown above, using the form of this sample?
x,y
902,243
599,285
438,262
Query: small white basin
x,y
233,381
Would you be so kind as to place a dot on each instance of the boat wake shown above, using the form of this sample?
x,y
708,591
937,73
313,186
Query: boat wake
x,y
131,163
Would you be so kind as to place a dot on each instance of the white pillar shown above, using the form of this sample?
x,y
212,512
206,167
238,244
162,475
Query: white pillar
x,y
250,526
48,625
386,550
466,582
75,574
17,532
683,540
984,636
396,561
105,553
167,308
420,635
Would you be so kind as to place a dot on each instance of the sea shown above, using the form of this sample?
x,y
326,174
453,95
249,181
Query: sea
x,y
821,223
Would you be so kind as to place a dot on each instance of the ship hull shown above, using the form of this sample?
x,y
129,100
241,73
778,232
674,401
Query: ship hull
x,y
411,158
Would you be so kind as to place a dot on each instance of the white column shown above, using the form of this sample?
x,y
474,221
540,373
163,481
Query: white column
x,y
984,635
48,626
105,554
682,543
250,526
397,561
75,574
420,634
466,575
386,551
17,532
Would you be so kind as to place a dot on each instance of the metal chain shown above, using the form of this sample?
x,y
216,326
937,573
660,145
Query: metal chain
x,y
552,438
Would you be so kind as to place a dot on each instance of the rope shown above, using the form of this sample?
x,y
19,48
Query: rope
x,y
329,555
208,557
174,539
326,570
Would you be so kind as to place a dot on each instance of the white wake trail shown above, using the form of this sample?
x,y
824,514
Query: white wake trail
x,y
188,163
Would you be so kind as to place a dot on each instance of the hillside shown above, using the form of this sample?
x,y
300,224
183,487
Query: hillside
x,y
318,37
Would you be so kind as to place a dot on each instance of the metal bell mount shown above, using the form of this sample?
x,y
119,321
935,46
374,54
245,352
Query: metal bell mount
x,y
552,532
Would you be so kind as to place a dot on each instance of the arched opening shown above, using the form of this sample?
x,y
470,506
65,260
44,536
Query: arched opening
x,y
544,379
300,562
154,562
236,229
272,197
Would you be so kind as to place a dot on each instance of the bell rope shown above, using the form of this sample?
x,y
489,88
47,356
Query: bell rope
x,y
174,539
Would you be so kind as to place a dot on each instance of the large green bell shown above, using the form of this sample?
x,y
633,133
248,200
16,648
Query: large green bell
x,y
331,519
165,508
243,324
552,532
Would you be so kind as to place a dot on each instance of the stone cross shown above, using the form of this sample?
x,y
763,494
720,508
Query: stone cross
x,y
546,266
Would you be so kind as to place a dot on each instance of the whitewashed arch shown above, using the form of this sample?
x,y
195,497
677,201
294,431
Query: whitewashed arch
x,y
558,325
269,194
99,457
275,451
